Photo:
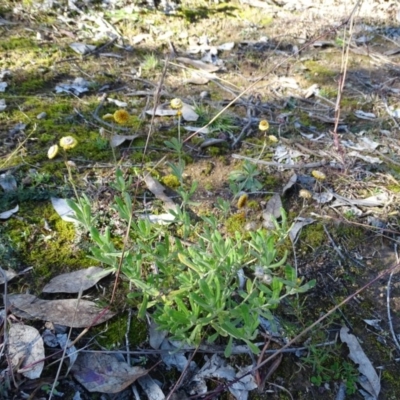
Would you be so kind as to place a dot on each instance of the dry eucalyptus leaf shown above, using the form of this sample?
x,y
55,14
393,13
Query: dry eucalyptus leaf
x,y
298,226
71,312
157,189
272,211
99,372
198,64
173,359
26,350
197,129
289,185
372,383
164,110
150,387
364,115
63,209
9,274
368,159
82,48
70,351
117,140
7,214
161,219
74,282
118,103
322,198
156,336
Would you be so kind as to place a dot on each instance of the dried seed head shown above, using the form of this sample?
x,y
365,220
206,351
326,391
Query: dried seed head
x,y
318,175
263,125
305,194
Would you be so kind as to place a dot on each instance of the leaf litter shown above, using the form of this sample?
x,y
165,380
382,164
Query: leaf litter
x,y
97,26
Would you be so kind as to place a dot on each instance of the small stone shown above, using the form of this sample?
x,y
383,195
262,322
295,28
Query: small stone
x,y
204,95
42,115
251,226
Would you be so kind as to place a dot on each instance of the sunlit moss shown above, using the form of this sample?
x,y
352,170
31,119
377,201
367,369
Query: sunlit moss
x,y
170,181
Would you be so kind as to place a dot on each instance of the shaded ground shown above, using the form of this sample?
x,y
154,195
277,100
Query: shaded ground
x,y
288,58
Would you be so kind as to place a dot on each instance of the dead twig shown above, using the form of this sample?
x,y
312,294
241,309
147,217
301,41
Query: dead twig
x,y
390,322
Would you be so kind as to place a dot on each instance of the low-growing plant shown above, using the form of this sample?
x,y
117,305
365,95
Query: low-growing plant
x,y
245,179
215,287
327,367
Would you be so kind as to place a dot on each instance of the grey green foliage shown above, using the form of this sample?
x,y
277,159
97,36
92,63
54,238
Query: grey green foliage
x,y
195,291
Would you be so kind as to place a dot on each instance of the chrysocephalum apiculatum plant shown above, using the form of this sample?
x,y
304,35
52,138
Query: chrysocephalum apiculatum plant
x,y
209,287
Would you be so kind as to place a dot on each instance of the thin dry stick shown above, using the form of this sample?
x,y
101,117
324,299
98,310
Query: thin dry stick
x,y
178,382
65,347
342,79
5,301
396,342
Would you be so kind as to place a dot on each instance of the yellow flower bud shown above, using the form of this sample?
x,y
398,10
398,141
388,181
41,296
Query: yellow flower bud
x,y
176,104
263,125
52,152
305,194
318,175
121,116
273,139
242,201
68,142
108,117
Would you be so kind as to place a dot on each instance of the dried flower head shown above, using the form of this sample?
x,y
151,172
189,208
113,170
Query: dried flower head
x,y
273,139
176,104
305,194
52,152
71,164
318,175
242,201
68,142
121,117
263,125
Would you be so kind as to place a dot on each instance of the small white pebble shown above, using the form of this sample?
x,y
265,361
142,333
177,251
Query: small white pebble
x,y
42,115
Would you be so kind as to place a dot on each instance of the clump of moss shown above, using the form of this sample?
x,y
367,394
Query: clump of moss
x,y
114,334
49,252
311,237
170,181
236,223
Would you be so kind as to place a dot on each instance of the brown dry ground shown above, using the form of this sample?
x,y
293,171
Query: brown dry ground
x,y
373,78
